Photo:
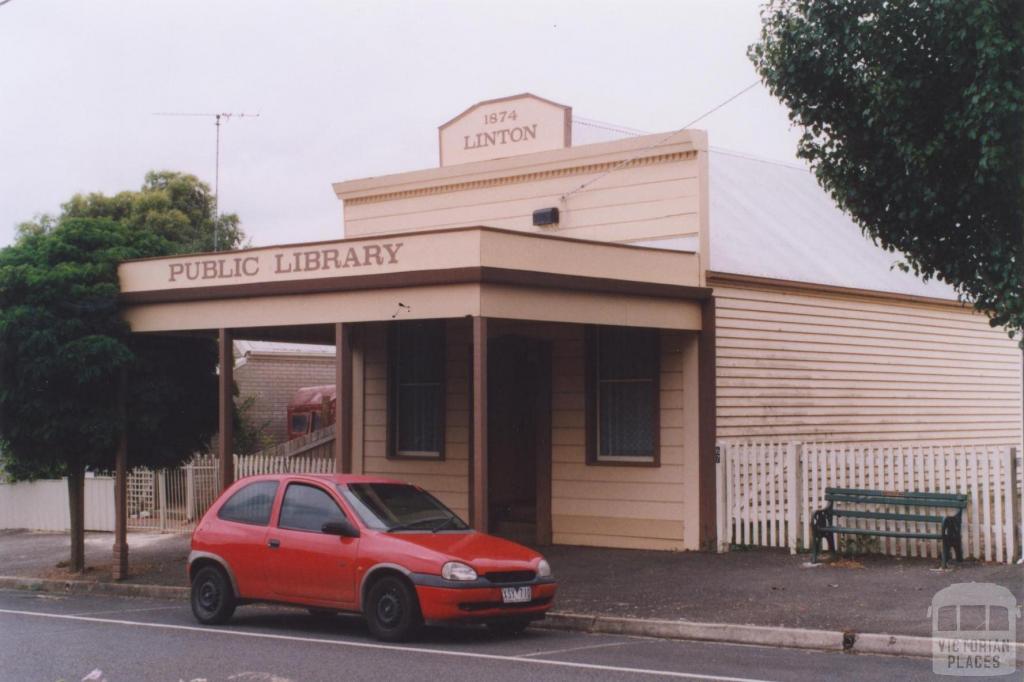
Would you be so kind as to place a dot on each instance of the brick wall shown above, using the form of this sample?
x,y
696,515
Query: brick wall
x,y
273,379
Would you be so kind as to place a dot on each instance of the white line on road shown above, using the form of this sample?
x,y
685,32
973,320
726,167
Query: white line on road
x,y
385,647
148,608
572,649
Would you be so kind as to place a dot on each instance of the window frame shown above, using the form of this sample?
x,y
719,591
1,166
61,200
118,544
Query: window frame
x,y
593,400
393,384
270,512
325,491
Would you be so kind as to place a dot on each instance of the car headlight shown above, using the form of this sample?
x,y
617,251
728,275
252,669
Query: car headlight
x,y
543,569
456,570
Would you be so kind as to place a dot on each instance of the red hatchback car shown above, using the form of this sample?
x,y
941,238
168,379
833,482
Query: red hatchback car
x,y
362,544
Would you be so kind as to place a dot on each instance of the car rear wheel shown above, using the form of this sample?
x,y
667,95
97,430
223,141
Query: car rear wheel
x,y
512,627
213,600
392,610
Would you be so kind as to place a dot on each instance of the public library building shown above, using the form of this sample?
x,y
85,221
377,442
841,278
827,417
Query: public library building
x,y
550,338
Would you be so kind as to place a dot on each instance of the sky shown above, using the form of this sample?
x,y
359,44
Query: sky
x,y
343,89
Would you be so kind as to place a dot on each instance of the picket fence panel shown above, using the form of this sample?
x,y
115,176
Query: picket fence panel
x,y
771,491
172,500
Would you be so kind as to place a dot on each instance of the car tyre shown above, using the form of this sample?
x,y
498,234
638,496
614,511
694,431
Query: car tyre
x,y
213,599
509,628
392,610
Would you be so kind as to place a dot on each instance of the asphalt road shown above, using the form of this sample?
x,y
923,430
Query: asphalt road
x,y
50,637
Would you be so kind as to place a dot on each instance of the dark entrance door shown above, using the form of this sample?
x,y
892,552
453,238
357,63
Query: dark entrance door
x,y
519,439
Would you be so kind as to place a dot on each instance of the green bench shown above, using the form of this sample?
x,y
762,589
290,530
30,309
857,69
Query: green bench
x,y
828,522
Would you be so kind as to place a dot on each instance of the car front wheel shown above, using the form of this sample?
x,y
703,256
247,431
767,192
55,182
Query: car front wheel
x,y
391,609
213,600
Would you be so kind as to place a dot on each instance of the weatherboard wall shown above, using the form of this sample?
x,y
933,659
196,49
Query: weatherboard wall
x,y
649,507
798,364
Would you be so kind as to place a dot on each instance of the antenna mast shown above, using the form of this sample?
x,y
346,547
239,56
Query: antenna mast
x,y
216,170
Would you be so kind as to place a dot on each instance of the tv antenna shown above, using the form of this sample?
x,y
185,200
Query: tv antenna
x,y
216,170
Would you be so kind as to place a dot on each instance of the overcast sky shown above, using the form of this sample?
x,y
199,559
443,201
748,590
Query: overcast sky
x,y
344,90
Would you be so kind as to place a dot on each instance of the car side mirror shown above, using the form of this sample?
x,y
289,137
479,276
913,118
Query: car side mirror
x,y
344,528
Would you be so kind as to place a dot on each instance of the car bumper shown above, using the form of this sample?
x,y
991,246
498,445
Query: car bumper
x,y
446,601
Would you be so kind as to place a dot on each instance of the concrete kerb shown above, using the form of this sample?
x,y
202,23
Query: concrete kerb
x,y
94,587
797,638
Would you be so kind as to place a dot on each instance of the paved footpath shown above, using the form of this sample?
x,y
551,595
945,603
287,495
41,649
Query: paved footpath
x,y
51,637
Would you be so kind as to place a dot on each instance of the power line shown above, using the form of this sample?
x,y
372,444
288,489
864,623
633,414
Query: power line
x,y
216,171
657,143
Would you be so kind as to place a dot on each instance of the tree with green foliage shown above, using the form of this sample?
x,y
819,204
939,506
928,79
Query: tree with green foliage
x,y
64,347
912,115
176,206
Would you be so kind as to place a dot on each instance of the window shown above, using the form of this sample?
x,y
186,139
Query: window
x,y
416,389
307,507
398,506
622,395
300,423
251,504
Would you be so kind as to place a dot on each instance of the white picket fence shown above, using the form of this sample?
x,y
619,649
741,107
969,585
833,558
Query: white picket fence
x,y
172,500
768,492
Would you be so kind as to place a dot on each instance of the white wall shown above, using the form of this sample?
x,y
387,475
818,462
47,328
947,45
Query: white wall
x,y
43,505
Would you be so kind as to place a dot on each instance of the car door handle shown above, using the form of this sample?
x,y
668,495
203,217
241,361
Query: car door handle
x,y
273,543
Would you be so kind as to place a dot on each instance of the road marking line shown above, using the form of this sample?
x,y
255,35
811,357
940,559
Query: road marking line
x,y
386,647
148,608
575,648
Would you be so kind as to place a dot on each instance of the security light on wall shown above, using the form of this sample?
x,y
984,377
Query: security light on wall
x,y
545,216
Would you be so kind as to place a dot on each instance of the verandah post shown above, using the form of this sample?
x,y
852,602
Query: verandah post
x,y
226,444
343,393
119,568
478,422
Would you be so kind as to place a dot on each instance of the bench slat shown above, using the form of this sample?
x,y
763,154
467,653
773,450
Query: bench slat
x,y
896,501
893,516
897,493
886,533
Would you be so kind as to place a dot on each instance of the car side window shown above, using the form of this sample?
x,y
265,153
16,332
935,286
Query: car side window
x,y
306,507
251,504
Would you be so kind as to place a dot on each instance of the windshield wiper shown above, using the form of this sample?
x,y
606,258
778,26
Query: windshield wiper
x,y
444,523
412,524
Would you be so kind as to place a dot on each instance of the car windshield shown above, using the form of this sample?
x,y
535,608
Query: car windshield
x,y
394,507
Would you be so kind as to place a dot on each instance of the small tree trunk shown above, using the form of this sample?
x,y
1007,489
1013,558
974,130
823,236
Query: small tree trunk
x,y
76,500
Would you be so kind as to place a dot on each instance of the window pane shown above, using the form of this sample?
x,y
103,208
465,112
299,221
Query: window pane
x,y
421,351
389,505
627,353
418,387
419,418
299,423
308,508
251,504
627,419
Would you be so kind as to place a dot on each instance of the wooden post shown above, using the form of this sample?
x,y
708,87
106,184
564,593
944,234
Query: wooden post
x,y
1012,501
707,378
721,476
478,482
119,568
343,391
792,497
226,446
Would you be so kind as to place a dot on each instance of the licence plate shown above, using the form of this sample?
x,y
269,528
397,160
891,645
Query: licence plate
x,y
516,595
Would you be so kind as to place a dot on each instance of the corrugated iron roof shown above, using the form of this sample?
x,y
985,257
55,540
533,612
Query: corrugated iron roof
x,y
772,219
244,347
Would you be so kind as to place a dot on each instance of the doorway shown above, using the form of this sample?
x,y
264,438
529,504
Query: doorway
x,y
519,439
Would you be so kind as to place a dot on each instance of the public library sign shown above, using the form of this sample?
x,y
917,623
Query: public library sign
x,y
521,124
242,267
